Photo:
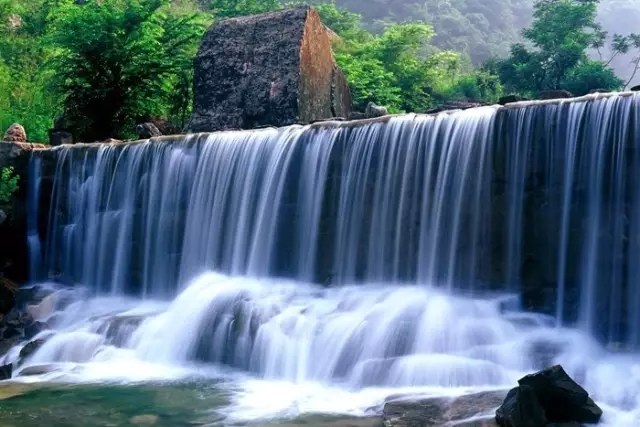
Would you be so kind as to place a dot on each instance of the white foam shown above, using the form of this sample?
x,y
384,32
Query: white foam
x,y
295,348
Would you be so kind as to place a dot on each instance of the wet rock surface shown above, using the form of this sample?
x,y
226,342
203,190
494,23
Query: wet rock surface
x,y
30,348
547,397
521,408
22,323
472,410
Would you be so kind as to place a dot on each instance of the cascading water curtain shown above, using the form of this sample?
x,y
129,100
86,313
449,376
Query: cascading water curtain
x,y
535,199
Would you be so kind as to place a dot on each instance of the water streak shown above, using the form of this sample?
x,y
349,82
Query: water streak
x,y
385,254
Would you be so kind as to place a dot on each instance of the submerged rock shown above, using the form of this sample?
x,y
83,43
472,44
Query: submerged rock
x,y
30,349
472,410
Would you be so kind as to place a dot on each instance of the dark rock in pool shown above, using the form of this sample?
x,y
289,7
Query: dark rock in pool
x,y
563,399
5,372
548,396
33,329
30,349
521,408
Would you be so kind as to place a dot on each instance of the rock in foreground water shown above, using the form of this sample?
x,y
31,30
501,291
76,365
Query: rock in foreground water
x,y
553,392
521,408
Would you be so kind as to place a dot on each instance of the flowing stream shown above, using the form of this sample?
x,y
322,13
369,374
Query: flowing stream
x,y
322,268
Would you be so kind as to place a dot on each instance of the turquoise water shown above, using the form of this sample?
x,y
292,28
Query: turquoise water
x,y
154,404
161,405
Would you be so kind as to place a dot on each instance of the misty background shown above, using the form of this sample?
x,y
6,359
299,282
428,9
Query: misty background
x,y
486,28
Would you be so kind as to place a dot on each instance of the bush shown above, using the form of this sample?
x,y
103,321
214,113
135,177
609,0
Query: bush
x,y
117,60
8,185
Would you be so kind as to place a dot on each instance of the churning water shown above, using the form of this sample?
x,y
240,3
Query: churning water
x,y
325,267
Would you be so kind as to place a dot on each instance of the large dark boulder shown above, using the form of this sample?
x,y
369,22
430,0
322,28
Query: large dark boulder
x,y
272,69
521,408
562,398
549,397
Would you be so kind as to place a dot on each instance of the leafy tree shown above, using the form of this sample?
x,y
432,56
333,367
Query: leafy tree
x,y
620,45
117,60
561,34
400,68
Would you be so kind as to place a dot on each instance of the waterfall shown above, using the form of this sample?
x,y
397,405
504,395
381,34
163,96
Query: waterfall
x,y
394,201
457,250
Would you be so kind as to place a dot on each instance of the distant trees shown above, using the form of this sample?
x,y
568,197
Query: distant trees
x,y
478,29
400,68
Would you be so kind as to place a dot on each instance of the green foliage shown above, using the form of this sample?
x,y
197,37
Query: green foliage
x,y
561,34
477,28
23,75
8,185
399,68
118,60
233,8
